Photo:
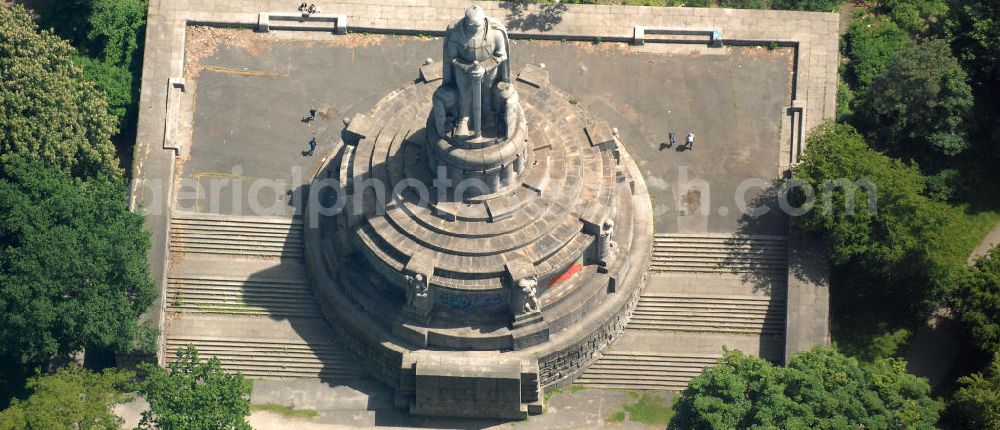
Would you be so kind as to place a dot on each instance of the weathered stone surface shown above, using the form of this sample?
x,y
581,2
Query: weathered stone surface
x,y
534,75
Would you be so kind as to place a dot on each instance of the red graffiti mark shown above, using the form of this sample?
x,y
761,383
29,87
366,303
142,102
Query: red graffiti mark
x,y
576,267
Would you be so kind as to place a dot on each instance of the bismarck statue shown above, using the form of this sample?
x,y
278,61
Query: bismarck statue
x,y
521,259
477,130
476,60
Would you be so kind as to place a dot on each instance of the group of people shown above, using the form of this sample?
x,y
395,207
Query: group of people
x,y
688,140
308,9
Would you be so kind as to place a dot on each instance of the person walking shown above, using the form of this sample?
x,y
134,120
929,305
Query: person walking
x,y
689,141
312,147
312,115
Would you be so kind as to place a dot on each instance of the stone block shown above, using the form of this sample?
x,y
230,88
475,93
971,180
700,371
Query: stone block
x,y
362,126
431,72
534,76
263,22
639,35
341,24
600,135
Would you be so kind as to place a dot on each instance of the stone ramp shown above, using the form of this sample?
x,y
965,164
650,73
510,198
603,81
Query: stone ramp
x,y
705,292
250,236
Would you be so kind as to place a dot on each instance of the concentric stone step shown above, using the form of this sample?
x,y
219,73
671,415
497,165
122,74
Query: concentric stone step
x,y
232,235
720,253
226,295
713,314
272,359
645,370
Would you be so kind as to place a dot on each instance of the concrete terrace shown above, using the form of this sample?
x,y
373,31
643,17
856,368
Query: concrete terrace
x,y
235,284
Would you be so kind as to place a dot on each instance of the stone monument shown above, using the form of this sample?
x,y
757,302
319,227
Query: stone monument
x,y
493,238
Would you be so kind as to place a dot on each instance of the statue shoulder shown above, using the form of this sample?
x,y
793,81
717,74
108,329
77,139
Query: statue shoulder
x,y
496,24
452,27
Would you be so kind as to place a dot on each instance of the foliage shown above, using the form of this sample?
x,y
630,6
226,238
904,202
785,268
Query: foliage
x,y
808,5
72,398
745,4
915,16
891,256
977,402
47,109
894,236
107,33
976,300
194,394
73,268
917,108
870,45
108,30
974,27
820,388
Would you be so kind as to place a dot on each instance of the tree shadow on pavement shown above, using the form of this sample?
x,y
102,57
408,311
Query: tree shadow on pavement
x,y
523,15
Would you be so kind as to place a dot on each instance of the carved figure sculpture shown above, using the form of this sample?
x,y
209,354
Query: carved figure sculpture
x,y
605,243
529,296
476,53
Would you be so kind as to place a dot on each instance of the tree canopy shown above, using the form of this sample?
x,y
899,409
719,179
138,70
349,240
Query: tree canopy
x,y
195,394
870,45
71,398
918,107
73,270
819,389
977,401
47,108
108,35
976,300
897,234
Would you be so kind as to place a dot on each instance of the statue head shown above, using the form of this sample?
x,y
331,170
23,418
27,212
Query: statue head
x,y
475,17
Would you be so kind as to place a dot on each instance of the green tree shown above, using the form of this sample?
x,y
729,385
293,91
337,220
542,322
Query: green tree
x,y
72,398
47,108
976,300
889,235
918,107
73,269
918,17
193,394
889,244
974,27
870,45
976,404
820,389
108,34
809,5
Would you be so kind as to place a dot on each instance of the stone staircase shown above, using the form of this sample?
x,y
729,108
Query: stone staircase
x,y
705,291
237,289
719,253
251,236
214,294
272,359
714,314
645,370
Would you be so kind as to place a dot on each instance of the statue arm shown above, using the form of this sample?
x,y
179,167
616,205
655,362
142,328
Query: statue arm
x,y
447,74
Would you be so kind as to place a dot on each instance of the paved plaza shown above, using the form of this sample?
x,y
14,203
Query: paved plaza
x,y
224,133
251,94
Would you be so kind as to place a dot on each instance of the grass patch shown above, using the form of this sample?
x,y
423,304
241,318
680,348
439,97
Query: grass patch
x,y
616,417
285,411
960,237
644,408
570,389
